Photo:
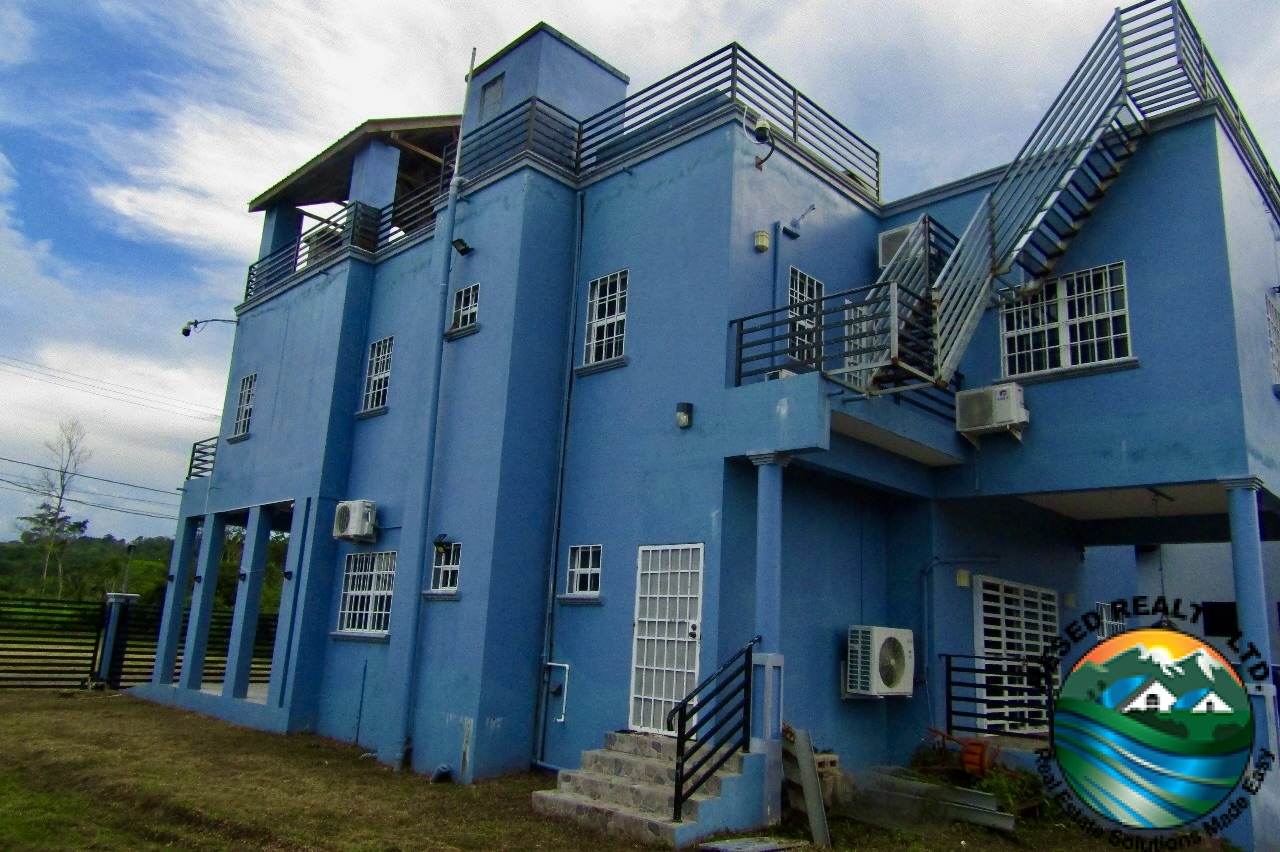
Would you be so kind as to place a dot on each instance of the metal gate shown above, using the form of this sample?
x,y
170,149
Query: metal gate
x,y
664,661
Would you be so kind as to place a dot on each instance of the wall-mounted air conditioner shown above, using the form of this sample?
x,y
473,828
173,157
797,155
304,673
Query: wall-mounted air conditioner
x,y
997,408
879,661
773,375
356,520
891,241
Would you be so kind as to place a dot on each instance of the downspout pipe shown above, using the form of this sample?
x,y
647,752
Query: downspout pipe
x,y
417,567
566,404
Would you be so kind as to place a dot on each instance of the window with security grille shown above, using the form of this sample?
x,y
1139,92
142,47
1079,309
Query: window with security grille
x,y
606,318
584,569
1109,625
803,306
1273,332
1071,321
367,585
444,574
244,405
466,308
377,375
1014,624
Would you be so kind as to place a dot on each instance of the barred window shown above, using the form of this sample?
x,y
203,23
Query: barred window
x,y
1109,625
1077,319
377,375
584,569
367,585
606,318
803,306
466,308
444,575
244,405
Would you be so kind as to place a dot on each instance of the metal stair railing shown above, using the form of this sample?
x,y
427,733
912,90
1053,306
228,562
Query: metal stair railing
x,y
711,727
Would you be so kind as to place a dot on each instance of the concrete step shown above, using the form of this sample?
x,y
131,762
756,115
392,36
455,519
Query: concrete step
x,y
643,770
654,799
657,748
621,822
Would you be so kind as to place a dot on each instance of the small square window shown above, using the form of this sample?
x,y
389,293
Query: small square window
x,y
466,308
244,405
367,586
584,569
491,98
377,375
606,318
444,574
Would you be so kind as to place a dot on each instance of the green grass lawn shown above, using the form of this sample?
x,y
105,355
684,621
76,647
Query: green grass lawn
x,y
86,770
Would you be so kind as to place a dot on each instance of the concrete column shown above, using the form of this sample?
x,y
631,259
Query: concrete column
x,y
215,528
117,611
174,600
373,175
244,623
1246,561
768,616
283,225
288,601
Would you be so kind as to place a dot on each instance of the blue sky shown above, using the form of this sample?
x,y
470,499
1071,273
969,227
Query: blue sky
x,y
134,132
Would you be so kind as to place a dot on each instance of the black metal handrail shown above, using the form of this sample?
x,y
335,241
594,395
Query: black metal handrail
x,y
1008,695
202,456
410,215
355,224
724,711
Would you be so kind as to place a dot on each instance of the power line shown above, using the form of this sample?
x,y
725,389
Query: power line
x,y
125,388
101,506
69,384
95,478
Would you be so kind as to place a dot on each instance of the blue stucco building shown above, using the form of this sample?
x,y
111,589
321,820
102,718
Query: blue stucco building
x,y
560,422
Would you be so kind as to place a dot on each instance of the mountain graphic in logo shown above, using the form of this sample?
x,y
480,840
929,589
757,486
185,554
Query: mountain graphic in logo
x,y
1153,729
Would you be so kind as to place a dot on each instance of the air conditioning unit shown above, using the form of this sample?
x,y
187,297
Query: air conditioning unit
x,y
879,661
891,241
997,408
356,520
784,373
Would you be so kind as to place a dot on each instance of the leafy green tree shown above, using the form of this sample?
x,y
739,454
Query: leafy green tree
x,y
55,531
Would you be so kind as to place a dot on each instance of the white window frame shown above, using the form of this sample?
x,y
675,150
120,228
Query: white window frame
x,y
1273,331
446,567
466,308
1075,320
244,405
584,570
804,306
1012,620
368,582
606,318
377,374
1109,625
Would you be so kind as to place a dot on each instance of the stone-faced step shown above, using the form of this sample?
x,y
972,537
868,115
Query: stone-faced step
x,y
620,822
644,770
645,798
657,748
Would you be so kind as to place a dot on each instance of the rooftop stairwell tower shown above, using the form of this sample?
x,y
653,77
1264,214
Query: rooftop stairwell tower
x,y
1148,61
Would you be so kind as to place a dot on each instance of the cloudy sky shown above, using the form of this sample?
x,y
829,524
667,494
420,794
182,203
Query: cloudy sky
x,y
133,133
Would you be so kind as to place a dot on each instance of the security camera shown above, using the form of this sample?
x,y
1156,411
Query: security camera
x,y
762,130
186,330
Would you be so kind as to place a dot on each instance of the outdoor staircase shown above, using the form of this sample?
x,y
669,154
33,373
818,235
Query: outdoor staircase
x,y
1149,61
628,789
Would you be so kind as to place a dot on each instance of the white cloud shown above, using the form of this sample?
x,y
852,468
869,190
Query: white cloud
x,y
17,33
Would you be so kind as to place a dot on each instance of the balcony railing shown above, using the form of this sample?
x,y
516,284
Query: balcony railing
x,y
202,456
354,224
994,694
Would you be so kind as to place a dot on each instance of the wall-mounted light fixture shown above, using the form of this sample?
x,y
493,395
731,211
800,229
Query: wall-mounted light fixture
x,y
963,578
684,414
197,325
762,241
461,246
441,543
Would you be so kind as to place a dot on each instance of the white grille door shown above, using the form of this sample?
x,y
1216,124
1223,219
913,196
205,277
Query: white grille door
x,y
664,662
1012,622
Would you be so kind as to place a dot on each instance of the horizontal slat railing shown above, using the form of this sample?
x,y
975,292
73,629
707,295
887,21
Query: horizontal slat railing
x,y
203,454
48,644
996,694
